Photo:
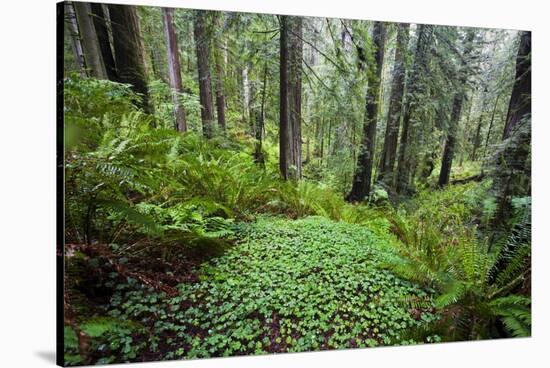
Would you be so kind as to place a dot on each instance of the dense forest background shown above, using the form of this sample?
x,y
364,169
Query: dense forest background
x,y
383,167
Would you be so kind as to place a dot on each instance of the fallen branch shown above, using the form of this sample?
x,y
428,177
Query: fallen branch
x,y
477,177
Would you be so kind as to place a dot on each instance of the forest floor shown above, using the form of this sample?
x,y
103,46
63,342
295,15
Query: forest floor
x,y
284,286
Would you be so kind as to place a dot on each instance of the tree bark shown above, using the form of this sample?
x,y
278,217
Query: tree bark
x,y
100,23
389,152
258,152
520,101
174,68
127,44
72,31
363,173
220,76
477,138
89,40
490,129
448,153
203,66
512,171
290,136
418,71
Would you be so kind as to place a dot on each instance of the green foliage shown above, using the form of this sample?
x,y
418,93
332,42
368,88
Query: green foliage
x,y
474,285
125,175
289,286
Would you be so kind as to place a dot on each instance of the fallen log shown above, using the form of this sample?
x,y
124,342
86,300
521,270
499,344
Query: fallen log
x,y
477,177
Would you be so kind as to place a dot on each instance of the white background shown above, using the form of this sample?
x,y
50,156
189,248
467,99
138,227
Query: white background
x,y
27,193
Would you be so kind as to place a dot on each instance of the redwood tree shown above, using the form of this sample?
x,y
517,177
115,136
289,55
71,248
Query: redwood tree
x,y
450,142
512,169
89,40
220,75
174,70
128,48
363,173
100,18
389,151
416,83
203,66
290,99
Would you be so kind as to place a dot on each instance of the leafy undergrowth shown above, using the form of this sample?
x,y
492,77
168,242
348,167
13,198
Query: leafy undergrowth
x,y
286,286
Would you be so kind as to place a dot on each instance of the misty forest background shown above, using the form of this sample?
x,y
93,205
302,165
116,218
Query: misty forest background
x,y
248,183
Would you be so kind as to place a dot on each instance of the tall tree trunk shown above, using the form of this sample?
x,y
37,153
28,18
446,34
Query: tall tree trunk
x,y
284,136
72,31
520,101
363,173
295,92
220,76
448,152
127,44
203,66
389,152
174,68
89,40
290,135
477,138
490,129
258,152
512,171
416,86
246,95
100,23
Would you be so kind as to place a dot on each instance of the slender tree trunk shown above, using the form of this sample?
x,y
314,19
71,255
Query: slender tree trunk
x,y
448,152
477,138
174,69
220,76
290,135
89,40
203,65
284,136
447,160
258,152
362,178
127,44
389,152
72,31
490,129
100,23
246,95
416,86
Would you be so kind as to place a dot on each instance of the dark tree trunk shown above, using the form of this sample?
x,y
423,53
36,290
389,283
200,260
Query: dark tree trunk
x,y
512,173
174,69
284,147
389,152
477,138
290,136
363,173
127,44
258,152
203,66
72,31
520,101
220,75
89,40
100,23
490,129
416,86
448,152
